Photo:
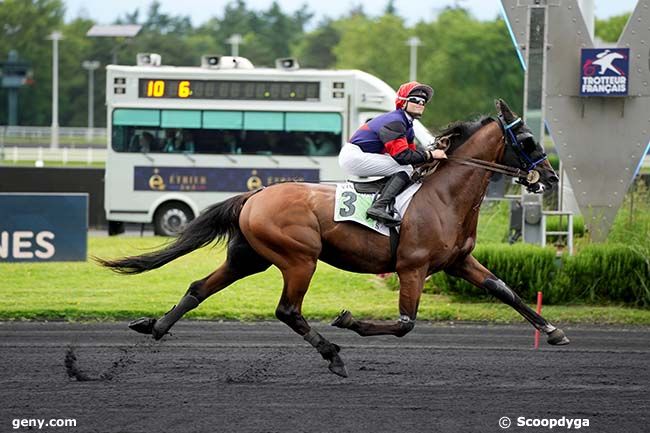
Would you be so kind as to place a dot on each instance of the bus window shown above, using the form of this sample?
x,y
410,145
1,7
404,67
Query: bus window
x,y
227,132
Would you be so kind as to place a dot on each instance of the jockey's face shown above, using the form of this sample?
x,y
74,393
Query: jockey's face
x,y
415,106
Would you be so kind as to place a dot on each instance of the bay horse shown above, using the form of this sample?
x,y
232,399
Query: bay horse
x,y
291,226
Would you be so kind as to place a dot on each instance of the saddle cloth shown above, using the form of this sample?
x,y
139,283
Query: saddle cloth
x,y
351,205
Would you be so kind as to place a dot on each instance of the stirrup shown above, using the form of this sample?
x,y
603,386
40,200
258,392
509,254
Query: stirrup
x,y
384,217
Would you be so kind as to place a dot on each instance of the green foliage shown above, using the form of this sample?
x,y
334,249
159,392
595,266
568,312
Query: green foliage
x,y
469,63
360,47
525,268
493,222
315,49
597,274
24,26
605,272
610,30
554,223
632,223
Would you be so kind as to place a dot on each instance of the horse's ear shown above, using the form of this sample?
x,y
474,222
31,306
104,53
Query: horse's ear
x,y
504,110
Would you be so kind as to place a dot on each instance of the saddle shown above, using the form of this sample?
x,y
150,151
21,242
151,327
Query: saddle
x,y
368,185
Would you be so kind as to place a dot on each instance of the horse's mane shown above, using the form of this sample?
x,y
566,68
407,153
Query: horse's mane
x,y
460,132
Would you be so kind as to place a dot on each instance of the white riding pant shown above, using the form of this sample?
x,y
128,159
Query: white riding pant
x,y
356,162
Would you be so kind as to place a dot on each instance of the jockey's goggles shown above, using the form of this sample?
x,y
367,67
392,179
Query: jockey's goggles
x,y
416,100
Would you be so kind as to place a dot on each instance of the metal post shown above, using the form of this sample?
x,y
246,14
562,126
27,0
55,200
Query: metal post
x,y
234,41
413,42
54,140
90,66
13,106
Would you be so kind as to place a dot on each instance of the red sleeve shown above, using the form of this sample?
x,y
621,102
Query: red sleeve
x,y
396,146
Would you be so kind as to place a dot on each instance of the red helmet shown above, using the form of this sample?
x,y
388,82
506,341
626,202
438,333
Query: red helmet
x,y
412,88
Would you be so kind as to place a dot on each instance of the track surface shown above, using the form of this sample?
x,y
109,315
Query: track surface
x,y
260,377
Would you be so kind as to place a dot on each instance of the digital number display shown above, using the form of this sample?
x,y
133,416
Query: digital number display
x,y
212,89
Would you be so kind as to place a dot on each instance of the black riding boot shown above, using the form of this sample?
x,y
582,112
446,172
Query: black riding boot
x,y
396,184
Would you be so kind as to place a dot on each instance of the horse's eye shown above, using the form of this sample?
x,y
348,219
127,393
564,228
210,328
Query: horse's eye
x,y
529,145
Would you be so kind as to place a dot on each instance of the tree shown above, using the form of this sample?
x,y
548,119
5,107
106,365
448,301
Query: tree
x,y
315,49
24,26
275,34
364,45
469,63
610,30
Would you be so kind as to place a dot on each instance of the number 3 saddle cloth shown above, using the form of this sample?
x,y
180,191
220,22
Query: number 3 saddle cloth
x,y
351,205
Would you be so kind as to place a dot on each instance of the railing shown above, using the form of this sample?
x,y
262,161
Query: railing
x,y
63,155
568,232
34,136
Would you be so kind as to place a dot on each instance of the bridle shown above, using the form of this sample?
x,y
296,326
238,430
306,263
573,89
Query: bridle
x,y
513,139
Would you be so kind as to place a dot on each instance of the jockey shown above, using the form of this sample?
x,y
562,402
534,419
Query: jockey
x,y
384,146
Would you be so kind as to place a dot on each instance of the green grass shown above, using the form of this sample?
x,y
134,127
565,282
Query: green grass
x,y
84,291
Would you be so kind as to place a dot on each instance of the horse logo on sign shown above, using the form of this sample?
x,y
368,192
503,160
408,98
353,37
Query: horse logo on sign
x,y
604,72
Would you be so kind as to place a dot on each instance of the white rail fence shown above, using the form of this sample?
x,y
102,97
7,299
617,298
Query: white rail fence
x,y
63,155
33,136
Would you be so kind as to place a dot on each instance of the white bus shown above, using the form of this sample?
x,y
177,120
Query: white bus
x,y
182,138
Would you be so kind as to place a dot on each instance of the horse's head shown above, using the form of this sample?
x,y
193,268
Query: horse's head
x,y
523,152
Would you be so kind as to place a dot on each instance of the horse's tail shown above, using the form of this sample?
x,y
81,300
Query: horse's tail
x,y
219,221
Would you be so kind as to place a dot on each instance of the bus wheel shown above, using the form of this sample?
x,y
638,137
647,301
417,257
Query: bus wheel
x,y
171,218
115,228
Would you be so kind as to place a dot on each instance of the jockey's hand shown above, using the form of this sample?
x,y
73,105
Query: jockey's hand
x,y
436,154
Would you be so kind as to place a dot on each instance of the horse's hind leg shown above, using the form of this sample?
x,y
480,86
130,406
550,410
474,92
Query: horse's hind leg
x,y
296,283
472,271
241,262
410,290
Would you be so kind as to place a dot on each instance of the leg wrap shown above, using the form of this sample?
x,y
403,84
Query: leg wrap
x,y
313,338
326,349
500,290
187,303
406,325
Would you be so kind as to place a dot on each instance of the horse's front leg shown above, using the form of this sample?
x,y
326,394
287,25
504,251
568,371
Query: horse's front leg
x,y
477,274
410,290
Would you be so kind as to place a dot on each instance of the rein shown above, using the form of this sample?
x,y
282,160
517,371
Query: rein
x,y
530,175
494,167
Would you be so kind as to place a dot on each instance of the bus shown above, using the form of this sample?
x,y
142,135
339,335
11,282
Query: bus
x,y
182,138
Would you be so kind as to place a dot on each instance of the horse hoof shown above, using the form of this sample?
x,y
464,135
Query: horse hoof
x,y
337,367
344,320
557,338
143,325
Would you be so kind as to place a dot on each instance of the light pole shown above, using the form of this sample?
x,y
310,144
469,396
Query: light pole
x,y
55,37
235,40
413,42
90,66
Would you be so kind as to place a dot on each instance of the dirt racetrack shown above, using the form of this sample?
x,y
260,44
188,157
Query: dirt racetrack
x,y
260,377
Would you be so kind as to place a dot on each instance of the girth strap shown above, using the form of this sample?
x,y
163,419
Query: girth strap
x,y
394,242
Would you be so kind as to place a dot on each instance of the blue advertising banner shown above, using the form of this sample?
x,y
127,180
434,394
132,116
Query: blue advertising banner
x,y
605,71
43,227
216,179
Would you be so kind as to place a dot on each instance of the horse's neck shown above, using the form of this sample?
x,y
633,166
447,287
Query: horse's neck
x,y
462,187
486,144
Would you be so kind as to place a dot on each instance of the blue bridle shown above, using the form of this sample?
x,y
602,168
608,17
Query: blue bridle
x,y
515,142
